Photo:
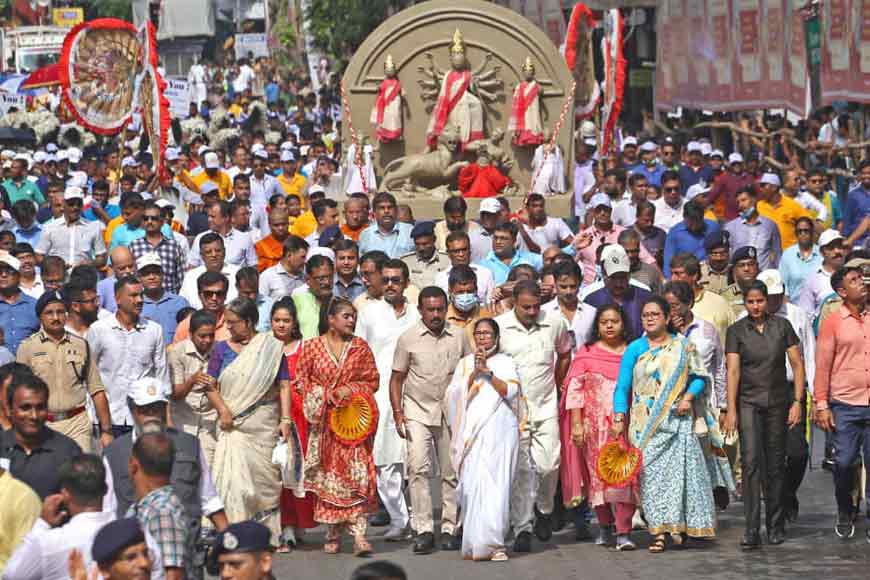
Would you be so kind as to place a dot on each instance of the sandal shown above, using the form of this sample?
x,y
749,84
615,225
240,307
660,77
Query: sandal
x,y
679,541
332,547
361,547
284,548
658,545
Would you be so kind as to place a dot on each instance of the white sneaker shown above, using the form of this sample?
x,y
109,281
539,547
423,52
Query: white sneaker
x,y
637,522
396,534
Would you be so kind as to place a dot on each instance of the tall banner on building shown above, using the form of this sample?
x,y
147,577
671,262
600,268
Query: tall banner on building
x,y
724,55
845,66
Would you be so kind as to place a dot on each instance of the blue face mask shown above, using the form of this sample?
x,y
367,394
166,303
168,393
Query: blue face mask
x,y
465,302
748,213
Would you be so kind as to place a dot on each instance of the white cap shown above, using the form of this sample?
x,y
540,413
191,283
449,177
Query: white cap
x,y
7,154
735,158
147,391
614,259
706,149
717,153
693,146
207,188
257,147
587,129
78,179
303,150
73,192
770,179
40,156
316,189
261,154
212,161
51,158
203,149
829,236
51,148
629,141
591,142
149,259
287,155
320,251
286,146
10,261
773,280
171,154
135,124
74,154
62,155
696,190
163,202
490,205
600,199
128,162
649,146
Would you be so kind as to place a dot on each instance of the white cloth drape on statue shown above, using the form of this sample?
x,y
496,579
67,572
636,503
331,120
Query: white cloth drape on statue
x,y
353,183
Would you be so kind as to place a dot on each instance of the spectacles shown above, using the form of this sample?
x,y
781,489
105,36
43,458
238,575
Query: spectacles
x,y
804,231
7,272
213,293
651,315
670,189
483,333
458,250
393,279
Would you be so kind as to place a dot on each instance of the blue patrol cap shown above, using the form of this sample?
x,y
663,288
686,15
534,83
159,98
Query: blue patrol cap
x,y
423,229
114,537
715,240
744,253
247,536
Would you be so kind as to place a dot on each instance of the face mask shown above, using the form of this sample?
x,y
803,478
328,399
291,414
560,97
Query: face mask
x,y
748,213
465,302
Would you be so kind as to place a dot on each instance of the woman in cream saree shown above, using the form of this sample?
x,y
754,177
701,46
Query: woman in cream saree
x,y
482,408
249,369
660,377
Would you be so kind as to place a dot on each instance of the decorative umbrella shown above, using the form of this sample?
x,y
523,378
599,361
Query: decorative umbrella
x,y
46,76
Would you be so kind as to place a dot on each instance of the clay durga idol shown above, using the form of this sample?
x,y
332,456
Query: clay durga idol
x,y
525,126
387,113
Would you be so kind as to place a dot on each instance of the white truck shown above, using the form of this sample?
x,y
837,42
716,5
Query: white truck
x,y
27,48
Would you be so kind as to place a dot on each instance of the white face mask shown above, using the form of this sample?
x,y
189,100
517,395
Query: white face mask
x,y
465,302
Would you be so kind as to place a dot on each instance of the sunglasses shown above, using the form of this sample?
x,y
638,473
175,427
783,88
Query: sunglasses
x,y
213,293
393,279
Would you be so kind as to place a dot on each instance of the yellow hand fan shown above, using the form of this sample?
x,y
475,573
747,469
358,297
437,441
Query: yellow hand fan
x,y
618,463
353,423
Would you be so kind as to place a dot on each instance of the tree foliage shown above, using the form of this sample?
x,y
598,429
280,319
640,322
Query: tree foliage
x,y
122,9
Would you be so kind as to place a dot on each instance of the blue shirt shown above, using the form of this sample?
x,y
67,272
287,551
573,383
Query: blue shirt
x,y
351,291
124,235
632,302
106,294
857,208
690,177
626,375
163,312
680,240
29,236
27,190
654,175
18,320
272,91
264,312
796,269
111,210
500,270
395,244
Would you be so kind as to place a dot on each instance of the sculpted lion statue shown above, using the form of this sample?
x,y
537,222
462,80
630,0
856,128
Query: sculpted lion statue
x,y
425,171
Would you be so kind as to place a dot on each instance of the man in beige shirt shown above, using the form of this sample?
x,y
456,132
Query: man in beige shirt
x,y
426,356
63,360
540,345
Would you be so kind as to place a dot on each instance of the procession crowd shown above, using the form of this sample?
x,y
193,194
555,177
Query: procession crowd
x,y
202,365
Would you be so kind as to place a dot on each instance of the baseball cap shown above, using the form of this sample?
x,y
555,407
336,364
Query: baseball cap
x,y
648,146
717,153
148,390
207,188
171,154
287,155
163,202
212,161
261,154
735,158
829,236
149,259
74,154
128,162
591,142
770,179
629,141
696,190
114,537
203,149
73,192
490,205
10,261
693,146
614,259
587,129
51,148
320,251
600,199
286,146
706,149
773,280
62,155
40,156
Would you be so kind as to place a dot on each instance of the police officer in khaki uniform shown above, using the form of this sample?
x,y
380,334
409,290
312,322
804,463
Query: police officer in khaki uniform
x,y
63,360
425,263
716,269
744,266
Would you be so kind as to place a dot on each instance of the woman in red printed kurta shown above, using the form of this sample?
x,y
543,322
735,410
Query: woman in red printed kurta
x,y
332,368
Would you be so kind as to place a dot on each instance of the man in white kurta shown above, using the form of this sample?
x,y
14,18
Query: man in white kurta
x,y
381,324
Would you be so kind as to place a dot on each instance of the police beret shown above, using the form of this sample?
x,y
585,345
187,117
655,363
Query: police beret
x,y
329,236
715,240
46,299
744,253
423,229
247,536
115,537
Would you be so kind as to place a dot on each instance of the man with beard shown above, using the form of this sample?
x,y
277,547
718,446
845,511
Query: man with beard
x,y
381,325
63,360
646,274
126,348
616,267
167,250
288,274
319,275
818,285
625,210
455,210
744,270
17,310
83,305
425,263
716,269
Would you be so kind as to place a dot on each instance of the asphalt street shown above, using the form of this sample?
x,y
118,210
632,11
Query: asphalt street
x,y
811,551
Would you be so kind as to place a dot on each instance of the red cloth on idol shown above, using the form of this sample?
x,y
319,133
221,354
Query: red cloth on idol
x,y
477,181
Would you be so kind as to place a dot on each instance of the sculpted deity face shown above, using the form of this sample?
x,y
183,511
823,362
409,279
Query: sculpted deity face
x,y
458,60
390,71
529,74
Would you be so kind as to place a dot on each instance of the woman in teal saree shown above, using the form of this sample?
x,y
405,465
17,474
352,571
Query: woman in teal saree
x,y
660,376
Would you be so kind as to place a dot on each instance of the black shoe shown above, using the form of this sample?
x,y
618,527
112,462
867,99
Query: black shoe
x,y
450,543
380,519
776,537
792,511
721,498
523,543
844,526
424,543
543,527
828,464
581,530
751,540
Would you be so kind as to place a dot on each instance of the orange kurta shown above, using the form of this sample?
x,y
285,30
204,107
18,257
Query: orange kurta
x,y
269,252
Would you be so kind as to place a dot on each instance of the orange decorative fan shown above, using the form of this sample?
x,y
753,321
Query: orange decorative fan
x,y
354,422
618,463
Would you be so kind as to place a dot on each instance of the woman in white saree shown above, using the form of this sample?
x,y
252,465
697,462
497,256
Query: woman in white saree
x,y
251,393
482,406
